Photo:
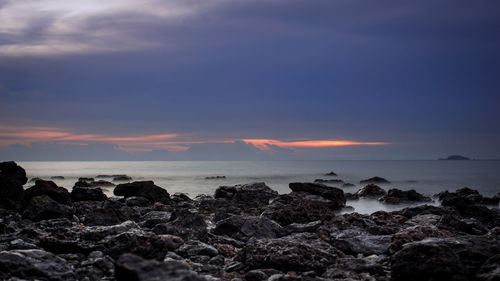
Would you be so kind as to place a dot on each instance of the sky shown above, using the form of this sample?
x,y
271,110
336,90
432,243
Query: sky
x,y
249,79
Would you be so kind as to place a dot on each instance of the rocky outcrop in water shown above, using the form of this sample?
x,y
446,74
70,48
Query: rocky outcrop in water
x,y
243,232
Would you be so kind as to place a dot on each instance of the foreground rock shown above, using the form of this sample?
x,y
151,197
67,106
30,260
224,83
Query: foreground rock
x,y
12,179
50,189
336,195
146,189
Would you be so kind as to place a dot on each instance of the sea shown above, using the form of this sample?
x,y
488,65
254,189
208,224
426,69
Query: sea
x,y
190,177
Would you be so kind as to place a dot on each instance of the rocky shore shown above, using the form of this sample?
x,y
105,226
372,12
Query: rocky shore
x,y
244,232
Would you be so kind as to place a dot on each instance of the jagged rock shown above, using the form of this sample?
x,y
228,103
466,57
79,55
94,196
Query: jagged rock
x,y
490,270
153,218
296,208
146,189
87,194
417,262
50,189
287,254
362,244
96,267
188,225
145,244
258,194
396,196
414,233
43,207
197,248
371,190
246,227
130,267
13,173
356,269
336,195
34,264
109,212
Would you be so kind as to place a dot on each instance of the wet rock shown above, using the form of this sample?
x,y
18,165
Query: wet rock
x,y
197,248
362,244
254,194
302,227
137,201
130,267
255,275
371,190
146,189
336,195
397,196
109,212
328,181
416,262
145,244
375,180
460,226
411,212
246,227
50,189
34,264
96,267
414,233
153,218
356,269
87,194
294,208
188,225
43,207
465,196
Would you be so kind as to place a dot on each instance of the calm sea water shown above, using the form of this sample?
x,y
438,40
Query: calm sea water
x,y
427,177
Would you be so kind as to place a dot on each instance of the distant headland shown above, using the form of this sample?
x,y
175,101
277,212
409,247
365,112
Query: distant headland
x,y
455,157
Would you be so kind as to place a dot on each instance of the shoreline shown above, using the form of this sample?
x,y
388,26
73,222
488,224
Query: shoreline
x,y
244,232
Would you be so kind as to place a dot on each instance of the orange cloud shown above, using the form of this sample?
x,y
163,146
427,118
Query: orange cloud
x,y
173,142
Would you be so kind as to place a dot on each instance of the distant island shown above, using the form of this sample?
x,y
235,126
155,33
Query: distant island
x,y
455,157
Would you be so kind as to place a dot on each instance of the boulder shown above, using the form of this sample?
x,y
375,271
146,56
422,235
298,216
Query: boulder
x,y
12,179
197,248
253,194
146,189
122,178
34,264
87,194
246,227
362,244
371,190
426,261
145,244
414,233
130,267
490,270
374,180
43,208
188,224
50,189
336,195
397,196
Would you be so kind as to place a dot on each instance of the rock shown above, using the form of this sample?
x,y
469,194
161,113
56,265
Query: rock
x,y
197,248
137,201
349,268
246,227
43,208
96,267
457,225
417,262
153,218
87,194
347,184
396,196
258,194
414,233
50,189
465,196
362,244
328,181
86,179
13,173
303,227
375,180
294,208
287,254
34,264
57,178
130,267
455,157
371,190
145,244
490,270
215,177
122,178
188,225
109,212
331,174
336,195
146,189
255,275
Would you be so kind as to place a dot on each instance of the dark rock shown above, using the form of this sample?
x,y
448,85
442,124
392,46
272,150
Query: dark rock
x,y
375,180
362,244
331,174
96,267
122,178
130,267
334,194
153,218
328,181
188,224
410,212
197,248
57,178
455,157
254,194
135,201
465,196
246,227
146,189
13,173
457,225
215,177
34,179
145,244
50,189
287,254
396,196
349,268
86,179
414,233
34,264
87,194
43,207
417,262
295,208
302,227
371,190
490,270
255,275
351,196
347,184
109,212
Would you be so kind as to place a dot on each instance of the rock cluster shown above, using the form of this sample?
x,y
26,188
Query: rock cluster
x,y
244,232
